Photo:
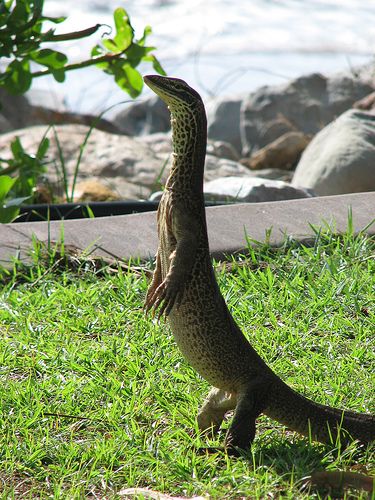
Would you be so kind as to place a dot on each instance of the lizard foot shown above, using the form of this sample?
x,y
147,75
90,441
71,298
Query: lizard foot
x,y
240,436
167,295
214,408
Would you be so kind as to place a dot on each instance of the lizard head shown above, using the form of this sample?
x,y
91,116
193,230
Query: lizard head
x,y
174,92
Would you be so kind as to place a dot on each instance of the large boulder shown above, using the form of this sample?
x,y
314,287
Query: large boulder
x,y
223,116
14,111
127,165
251,189
341,157
147,116
305,104
130,167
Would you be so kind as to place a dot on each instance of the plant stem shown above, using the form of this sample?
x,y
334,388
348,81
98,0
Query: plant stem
x,y
83,64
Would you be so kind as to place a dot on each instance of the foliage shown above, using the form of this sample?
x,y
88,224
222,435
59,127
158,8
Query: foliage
x,y
21,188
9,207
22,45
23,39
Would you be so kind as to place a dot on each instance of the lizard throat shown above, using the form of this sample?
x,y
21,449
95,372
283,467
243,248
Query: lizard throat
x,y
189,131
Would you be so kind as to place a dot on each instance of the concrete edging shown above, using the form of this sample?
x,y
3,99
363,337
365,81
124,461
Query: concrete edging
x,y
130,236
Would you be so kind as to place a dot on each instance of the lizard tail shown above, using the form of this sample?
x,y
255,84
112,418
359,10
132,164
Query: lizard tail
x,y
319,422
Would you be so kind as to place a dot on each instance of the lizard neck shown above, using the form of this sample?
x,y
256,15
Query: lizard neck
x,y
189,135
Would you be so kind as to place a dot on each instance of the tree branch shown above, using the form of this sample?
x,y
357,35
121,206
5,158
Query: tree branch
x,y
83,64
74,35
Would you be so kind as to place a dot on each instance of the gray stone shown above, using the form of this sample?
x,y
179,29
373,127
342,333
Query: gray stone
x,y
221,167
305,104
14,111
251,189
367,103
41,107
341,158
143,117
126,164
222,149
159,142
282,153
273,173
224,120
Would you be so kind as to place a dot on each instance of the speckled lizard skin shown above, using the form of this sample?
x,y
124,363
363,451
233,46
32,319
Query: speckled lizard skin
x,y
184,289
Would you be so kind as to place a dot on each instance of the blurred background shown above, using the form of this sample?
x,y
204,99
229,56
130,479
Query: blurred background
x,y
221,47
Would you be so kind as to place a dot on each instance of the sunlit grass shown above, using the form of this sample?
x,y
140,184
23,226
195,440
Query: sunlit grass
x,y
96,398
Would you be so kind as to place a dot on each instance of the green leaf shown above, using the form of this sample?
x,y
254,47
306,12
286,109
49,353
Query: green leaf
x,y
55,20
134,78
8,214
6,184
128,78
16,202
124,30
17,148
50,58
155,64
110,45
135,53
19,15
43,148
97,51
147,31
158,67
58,75
19,78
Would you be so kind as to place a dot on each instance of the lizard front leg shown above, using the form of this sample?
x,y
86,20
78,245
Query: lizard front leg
x,y
155,283
184,229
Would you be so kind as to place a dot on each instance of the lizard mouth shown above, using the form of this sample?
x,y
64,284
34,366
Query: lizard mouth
x,y
173,91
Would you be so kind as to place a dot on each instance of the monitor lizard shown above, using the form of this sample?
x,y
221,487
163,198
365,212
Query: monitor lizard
x,y
184,289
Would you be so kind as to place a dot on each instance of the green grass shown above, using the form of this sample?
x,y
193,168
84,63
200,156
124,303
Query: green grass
x,y
75,343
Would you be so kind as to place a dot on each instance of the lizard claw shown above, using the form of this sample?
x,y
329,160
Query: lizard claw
x,y
164,298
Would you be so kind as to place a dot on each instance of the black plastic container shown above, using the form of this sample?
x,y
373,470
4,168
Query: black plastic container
x,y
64,211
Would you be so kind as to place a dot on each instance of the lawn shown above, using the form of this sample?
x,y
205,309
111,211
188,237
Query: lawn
x,y
96,398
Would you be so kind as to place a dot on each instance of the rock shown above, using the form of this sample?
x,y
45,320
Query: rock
x,y
367,103
160,142
223,118
144,117
93,190
283,153
274,129
251,189
272,173
156,196
14,111
221,167
222,149
306,104
341,158
40,115
127,164
46,99
39,107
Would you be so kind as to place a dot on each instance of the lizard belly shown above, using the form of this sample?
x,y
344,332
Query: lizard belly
x,y
207,341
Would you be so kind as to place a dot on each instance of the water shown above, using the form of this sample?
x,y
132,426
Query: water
x,y
220,46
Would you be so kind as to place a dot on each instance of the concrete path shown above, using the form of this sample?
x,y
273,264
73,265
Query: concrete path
x,y
129,236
